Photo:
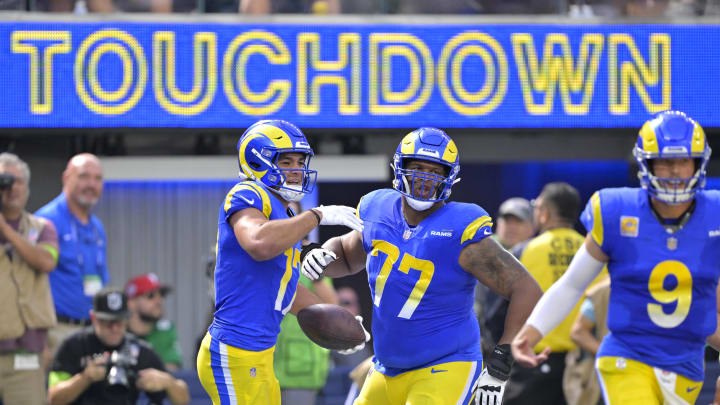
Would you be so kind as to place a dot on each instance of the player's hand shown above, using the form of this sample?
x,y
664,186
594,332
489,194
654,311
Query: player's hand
x,y
340,215
488,389
315,262
525,355
361,345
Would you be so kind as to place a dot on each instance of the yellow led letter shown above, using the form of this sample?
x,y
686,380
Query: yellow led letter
x,y
639,73
41,99
453,58
132,56
557,72
417,55
204,85
242,48
348,97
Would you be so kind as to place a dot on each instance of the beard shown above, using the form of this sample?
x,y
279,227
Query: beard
x,y
148,318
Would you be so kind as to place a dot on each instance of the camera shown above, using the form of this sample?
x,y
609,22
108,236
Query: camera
x,y
6,180
121,365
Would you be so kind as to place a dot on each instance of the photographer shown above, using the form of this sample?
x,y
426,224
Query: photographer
x,y
29,253
101,364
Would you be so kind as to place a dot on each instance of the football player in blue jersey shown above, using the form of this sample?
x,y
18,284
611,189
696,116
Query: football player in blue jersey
x,y
660,244
257,266
424,256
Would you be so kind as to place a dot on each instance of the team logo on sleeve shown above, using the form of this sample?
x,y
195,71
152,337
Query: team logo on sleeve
x,y
629,226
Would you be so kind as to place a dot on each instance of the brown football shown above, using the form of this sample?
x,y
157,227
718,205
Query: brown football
x,y
331,326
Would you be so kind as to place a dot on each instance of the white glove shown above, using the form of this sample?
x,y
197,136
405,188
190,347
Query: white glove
x,y
488,389
340,215
315,262
361,345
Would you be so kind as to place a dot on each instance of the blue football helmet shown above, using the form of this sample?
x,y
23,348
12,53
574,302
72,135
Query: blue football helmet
x,y
671,134
258,151
432,145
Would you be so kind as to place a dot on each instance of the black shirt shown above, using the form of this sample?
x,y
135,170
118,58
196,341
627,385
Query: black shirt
x,y
74,353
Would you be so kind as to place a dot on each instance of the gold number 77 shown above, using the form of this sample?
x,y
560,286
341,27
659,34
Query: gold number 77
x,y
425,267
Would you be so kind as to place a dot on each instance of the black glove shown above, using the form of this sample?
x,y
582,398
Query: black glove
x,y
501,362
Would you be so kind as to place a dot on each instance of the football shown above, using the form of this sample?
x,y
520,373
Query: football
x,y
331,326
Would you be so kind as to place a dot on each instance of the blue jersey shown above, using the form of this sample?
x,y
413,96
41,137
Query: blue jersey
x,y
251,297
663,286
82,264
423,300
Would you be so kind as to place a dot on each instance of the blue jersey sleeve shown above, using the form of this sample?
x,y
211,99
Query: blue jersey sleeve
x,y
247,195
477,224
594,217
603,220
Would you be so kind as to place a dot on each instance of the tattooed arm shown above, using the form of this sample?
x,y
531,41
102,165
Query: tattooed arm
x,y
503,273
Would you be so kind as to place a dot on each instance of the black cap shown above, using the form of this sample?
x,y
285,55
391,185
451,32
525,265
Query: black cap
x,y
110,304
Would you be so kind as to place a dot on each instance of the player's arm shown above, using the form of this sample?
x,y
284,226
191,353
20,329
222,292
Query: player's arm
x,y
303,298
581,334
504,274
264,239
325,291
558,301
714,339
338,257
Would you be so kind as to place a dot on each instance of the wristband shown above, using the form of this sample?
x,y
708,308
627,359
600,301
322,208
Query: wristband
x,y
316,215
307,248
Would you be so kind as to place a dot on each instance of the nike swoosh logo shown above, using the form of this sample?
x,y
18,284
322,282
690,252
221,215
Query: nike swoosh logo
x,y
487,232
433,371
251,201
691,389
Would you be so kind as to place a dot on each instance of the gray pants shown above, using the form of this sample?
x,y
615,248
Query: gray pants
x,y
292,396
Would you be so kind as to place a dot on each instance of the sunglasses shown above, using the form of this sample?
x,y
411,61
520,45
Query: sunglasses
x,y
153,294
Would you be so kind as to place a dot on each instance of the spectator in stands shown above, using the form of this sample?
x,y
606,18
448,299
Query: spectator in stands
x,y
30,252
515,222
146,302
103,364
81,268
146,6
514,226
301,366
289,6
437,7
580,382
547,257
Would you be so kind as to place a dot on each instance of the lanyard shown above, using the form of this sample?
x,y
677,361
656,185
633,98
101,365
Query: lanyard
x,y
95,242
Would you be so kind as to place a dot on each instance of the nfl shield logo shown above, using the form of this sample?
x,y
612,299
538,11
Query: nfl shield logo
x,y
407,234
253,372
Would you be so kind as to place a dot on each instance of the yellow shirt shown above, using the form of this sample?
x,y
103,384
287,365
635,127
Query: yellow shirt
x,y
547,257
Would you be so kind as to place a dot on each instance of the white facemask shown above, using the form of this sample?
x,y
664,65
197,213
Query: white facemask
x,y
418,205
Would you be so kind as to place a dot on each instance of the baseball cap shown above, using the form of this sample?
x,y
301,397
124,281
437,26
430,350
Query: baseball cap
x,y
144,284
110,304
518,207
